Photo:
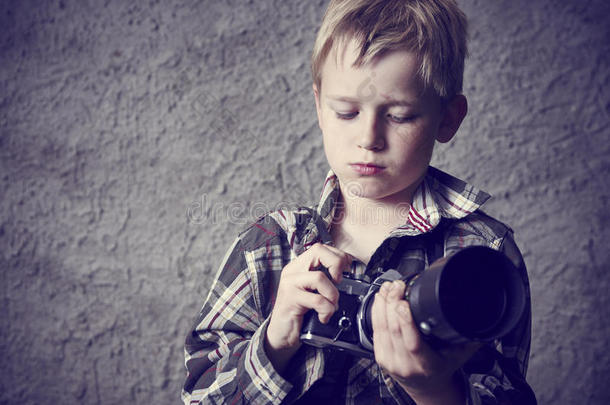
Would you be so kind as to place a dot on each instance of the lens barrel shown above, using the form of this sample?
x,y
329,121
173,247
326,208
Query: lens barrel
x,y
476,294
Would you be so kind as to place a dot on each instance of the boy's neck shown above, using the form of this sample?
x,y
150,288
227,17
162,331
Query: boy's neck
x,y
356,213
362,224
382,213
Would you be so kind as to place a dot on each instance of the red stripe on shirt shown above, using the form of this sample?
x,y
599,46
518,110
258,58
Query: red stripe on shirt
x,y
417,219
267,231
455,206
252,364
413,221
309,244
241,287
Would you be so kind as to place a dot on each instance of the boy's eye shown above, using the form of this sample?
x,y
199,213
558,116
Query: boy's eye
x,y
346,116
399,119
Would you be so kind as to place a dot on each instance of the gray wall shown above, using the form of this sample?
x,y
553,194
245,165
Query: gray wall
x,y
137,139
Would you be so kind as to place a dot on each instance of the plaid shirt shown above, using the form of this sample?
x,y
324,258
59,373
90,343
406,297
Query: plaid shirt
x,y
225,356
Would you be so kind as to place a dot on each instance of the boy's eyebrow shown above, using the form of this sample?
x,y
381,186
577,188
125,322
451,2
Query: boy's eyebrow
x,y
343,98
390,101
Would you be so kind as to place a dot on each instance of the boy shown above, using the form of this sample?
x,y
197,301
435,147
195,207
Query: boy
x,y
387,82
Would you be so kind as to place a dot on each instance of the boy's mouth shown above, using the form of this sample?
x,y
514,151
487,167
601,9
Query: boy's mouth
x,y
366,169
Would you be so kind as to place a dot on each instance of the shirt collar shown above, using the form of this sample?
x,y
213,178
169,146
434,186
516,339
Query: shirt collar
x,y
440,195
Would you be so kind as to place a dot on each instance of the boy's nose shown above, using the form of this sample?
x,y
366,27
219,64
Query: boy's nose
x,y
371,137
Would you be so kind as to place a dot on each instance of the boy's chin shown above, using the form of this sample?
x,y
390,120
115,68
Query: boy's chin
x,y
375,190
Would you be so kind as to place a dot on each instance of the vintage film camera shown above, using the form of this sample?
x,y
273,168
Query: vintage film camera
x,y
474,295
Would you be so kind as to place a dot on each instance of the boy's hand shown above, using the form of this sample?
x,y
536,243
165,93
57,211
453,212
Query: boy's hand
x,y
425,374
300,290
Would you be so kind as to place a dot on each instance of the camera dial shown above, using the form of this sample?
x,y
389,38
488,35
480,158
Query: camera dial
x,y
344,323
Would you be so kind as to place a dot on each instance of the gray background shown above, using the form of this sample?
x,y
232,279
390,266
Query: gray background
x,y
137,139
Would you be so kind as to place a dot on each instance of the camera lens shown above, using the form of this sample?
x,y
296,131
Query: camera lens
x,y
475,294
472,296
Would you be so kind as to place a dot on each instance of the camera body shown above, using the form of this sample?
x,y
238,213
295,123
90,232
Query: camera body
x,y
474,295
349,328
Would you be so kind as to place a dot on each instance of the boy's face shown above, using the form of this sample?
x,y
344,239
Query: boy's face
x,y
379,125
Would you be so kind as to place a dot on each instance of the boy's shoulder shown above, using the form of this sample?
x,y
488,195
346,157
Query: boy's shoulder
x,y
459,204
477,228
294,227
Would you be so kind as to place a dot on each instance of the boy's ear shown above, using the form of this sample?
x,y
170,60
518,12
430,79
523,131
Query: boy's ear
x,y
453,114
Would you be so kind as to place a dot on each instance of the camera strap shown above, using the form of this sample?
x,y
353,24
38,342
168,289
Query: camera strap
x,y
434,242
431,244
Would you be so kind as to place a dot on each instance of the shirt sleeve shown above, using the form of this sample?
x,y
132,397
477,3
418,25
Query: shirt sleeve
x,y
224,351
496,374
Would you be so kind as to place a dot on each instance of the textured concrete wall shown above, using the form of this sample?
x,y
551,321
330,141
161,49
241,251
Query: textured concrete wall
x,y
137,138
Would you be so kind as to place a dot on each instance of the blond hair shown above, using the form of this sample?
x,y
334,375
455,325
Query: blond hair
x,y
435,30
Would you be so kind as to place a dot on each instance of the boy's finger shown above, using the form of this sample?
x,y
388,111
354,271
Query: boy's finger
x,y
317,281
385,289
312,258
335,260
378,315
412,340
397,325
397,291
337,264
382,343
306,300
